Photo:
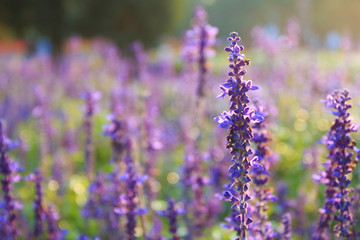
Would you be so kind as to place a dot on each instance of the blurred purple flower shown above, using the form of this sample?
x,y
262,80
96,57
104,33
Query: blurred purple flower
x,y
131,207
38,207
91,98
7,171
172,212
260,175
286,222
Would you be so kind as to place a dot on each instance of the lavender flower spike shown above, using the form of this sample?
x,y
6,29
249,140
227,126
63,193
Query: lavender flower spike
x,y
6,184
91,98
238,120
340,163
198,47
172,213
53,231
38,207
287,232
260,175
130,198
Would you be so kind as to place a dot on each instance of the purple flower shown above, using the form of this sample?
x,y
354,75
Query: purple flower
x,y
172,213
130,198
38,207
141,61
224,119
105,196
287,232
53,231
260,175
340,163
198,44
116,129
7,170
91,98
240,134
42,111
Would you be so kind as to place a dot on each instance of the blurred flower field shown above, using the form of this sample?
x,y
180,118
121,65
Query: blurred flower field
x,y
110,143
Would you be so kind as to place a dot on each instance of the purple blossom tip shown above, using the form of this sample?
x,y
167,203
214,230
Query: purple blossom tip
x,y
248,221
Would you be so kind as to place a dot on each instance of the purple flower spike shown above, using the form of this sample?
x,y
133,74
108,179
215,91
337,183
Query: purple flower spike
x,y
198,46
260,175
54,233
38,207
240,134
340,163
116,129
6,170
172,213
91,98
130,197
287,232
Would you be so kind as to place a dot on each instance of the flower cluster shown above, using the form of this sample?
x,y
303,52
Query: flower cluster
x,y
7,169
130,198
116,129
286,222
172,212
198,44
54,233
260,175
38,207
238,120
340,164
91,98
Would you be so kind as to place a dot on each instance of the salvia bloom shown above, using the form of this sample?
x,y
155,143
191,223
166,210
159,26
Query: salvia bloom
x,y
198,45
196,201
152,147
42,111
340,163
116,129
96,204
130,198
54,233
91,98
238,120
141,61
172,212
38,207
7,171
286,222
260,175
104,196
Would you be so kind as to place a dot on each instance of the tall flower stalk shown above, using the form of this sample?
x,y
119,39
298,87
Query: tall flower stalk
x,y
340,164
260,174
52,230
116,129
89,109
6,184
38,207
198,47
152,145
238,119
286,222
130,198
172,212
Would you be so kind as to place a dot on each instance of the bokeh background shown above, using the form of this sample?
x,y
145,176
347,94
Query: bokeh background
x,y
151,22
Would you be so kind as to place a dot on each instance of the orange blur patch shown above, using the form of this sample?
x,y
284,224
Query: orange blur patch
x,y
18,46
